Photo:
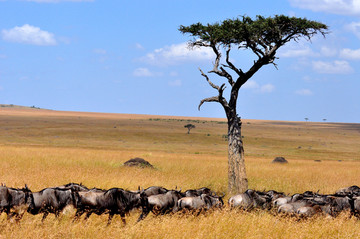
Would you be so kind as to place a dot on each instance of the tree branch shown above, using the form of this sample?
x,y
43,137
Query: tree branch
x,y
222,72
218,98
217,60
208,80
231,65
211,99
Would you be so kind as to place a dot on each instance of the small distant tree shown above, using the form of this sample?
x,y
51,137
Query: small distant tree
x,y
306,119
189,127
324,120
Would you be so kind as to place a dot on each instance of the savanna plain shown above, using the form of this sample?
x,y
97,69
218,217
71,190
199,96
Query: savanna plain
x,y
44,148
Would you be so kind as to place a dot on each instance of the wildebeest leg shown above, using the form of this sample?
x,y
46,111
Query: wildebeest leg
x,y
143,215
10,216
78,214
122,215
88,214
57,214
199,211
44,216
111,215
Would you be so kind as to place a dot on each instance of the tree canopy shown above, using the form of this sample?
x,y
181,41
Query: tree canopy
x,y
260,35
264,36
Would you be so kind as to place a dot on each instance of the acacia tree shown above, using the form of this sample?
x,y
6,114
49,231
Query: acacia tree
x,y
263,36
189,127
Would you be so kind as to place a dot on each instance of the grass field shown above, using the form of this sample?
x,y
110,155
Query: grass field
x,y
44,148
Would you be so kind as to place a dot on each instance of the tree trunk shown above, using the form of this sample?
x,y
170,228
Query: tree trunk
x,y
238,182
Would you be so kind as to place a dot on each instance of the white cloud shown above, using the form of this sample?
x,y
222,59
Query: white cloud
x,y
304,92
176,83
328,52
342,7
251,84
336,67
350,54
295,50
145,72
178,53
29,35
303,49
139,46
354,27
268,88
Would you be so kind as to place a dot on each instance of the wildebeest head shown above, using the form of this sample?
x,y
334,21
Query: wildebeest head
x,y
29,198
274,194
213,200
260,199
22,196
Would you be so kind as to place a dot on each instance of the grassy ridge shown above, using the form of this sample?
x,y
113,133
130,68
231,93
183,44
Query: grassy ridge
x,y
47,148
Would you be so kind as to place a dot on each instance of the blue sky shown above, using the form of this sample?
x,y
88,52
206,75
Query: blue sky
x,y
129,57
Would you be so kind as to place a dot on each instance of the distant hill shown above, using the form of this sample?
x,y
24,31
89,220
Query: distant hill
x,y
18,106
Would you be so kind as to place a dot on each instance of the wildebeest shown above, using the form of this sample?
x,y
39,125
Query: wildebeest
x,y
74,187
352,190
250,199
112,201
337,204
15,202
309,204
153,190
292,207
356,209
198,192
199,203
51,200
274,194
309,211
162,203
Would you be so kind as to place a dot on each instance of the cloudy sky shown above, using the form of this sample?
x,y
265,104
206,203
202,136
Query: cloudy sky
x,y
129,57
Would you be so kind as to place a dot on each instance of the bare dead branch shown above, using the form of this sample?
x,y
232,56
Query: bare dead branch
x,y
208,80
210,99
217,60
220,99
231,65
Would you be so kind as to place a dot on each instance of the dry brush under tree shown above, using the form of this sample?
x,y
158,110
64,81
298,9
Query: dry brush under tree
x,y
263,36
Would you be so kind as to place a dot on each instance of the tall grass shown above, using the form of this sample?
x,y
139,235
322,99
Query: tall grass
x,y
44,149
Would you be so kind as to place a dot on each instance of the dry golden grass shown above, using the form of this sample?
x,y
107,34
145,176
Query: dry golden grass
x,y
49,148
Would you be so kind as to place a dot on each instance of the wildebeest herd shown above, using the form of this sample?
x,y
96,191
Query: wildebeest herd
x,y
16,202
